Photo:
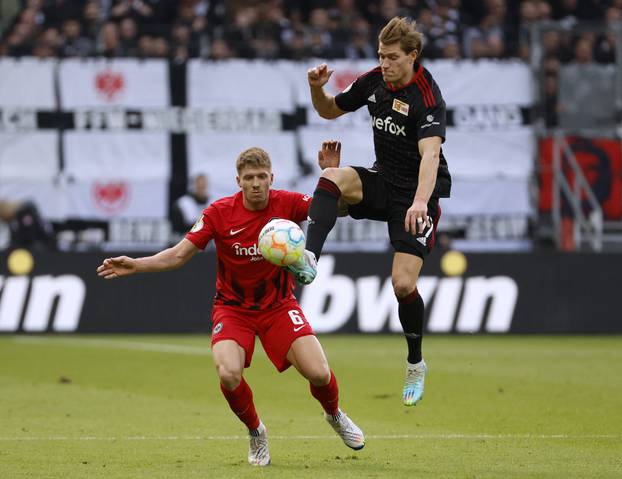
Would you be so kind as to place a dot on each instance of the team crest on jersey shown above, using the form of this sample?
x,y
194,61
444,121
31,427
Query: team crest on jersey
x,y
400,107
198,226
217,328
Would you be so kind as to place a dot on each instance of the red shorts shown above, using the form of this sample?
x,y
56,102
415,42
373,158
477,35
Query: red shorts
x,y
277,329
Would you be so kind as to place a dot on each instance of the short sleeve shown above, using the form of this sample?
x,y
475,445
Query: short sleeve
x,y
431,121
298,205
355,95
202,232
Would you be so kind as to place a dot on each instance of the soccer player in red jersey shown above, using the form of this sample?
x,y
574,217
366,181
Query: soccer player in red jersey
x,y
404,185
253,297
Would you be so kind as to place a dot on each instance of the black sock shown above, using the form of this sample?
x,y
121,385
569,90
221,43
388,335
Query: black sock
x,y
322,214
411,316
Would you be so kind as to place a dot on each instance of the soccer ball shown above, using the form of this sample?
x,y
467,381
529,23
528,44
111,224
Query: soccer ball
x,y
281,242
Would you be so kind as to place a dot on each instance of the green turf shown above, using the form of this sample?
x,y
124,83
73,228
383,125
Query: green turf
x,y
495,407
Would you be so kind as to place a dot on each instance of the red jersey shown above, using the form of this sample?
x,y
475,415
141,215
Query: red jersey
x,y
244,277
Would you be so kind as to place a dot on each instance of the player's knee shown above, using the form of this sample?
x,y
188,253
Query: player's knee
x,y
332,174
319,375
229,377
402,286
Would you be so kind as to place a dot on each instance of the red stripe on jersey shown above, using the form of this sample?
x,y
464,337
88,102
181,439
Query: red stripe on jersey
x,y
424,94
377,69
425,88
429,88
418,73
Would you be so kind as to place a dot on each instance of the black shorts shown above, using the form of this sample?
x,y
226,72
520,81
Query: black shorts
x,y
384,202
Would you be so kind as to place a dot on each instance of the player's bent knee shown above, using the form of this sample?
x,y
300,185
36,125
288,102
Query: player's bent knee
x,y
229,377
319,376
332,174
402,287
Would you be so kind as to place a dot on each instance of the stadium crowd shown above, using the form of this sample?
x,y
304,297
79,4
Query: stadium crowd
x,y
296,29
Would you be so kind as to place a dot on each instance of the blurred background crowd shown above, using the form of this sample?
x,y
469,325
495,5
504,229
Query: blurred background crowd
x,y
296,29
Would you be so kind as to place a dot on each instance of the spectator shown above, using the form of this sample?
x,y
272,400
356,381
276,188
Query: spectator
x,y
605,50
295,48
220,50
74,44
110,45
442,27
486,40
28,228
241,33
161,47
360,45
146,46
92,20
128,33
451,49
139,10
183,44
187,209
319,36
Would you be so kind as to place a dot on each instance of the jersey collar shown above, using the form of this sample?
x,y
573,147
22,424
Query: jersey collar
x,y
418,71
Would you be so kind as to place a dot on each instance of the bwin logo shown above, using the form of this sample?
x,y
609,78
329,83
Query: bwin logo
x,y
388,126
43,302
463,305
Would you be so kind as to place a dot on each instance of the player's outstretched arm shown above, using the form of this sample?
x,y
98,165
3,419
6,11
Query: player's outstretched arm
x,y
323,103
166,260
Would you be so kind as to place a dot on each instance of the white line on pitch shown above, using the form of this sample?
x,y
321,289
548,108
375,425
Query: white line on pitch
x,y
303,438
116,344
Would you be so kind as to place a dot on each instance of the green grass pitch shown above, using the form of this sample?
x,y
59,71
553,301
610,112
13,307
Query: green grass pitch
x,y
150,407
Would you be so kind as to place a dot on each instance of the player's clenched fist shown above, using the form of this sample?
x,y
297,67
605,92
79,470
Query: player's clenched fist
x,y
319,76
116,267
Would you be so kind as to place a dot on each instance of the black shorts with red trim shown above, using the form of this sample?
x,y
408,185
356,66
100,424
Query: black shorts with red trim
x,y
385,202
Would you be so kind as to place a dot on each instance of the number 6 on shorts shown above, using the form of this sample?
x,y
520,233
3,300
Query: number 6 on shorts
x,y
294,315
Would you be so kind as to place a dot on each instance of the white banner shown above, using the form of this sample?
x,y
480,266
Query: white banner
x,y
109,198
483,82
215,154
238,85
26,83
120,82
117,175
29,155
96,155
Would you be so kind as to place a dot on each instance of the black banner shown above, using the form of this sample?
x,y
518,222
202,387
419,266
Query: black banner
x,y
476,293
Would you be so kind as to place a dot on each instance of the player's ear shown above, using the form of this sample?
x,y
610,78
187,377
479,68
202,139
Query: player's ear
x,y
414,55
271,178
237,179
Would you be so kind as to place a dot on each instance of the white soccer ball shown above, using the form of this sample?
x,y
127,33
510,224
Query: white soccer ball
x,y
281,242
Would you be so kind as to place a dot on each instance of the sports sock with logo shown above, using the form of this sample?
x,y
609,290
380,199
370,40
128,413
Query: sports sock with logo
x,y
411,310
327,395
241,403
322,214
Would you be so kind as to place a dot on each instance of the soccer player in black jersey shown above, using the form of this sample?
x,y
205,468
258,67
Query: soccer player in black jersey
x,y
405,183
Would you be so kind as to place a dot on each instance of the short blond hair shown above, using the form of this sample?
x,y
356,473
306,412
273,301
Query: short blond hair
x,y
403,31
253,157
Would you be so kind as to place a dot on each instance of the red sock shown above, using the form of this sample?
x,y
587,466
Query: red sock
x,y
328,395
241,402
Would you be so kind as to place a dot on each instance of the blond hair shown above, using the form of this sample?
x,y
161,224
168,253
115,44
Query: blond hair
x,y
254,158
403,31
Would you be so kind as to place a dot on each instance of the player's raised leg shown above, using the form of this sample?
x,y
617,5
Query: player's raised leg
x,y
229,359
307,356
406,269
334,185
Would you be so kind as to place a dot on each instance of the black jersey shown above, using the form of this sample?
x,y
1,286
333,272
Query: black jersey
x,y
400,118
